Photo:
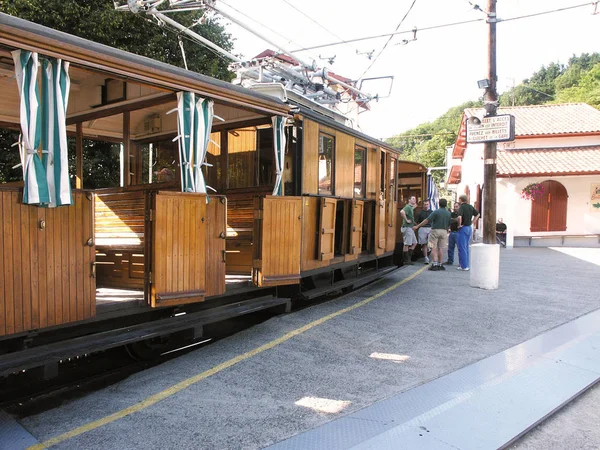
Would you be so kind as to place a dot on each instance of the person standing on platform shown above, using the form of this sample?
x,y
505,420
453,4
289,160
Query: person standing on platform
x,y
466,216
423,233
439,221
408,235
452,237
501,232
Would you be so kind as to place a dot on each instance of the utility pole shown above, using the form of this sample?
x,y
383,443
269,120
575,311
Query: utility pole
x,y
489,149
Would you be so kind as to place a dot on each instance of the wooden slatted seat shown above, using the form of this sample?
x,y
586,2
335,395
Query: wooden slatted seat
x,y
119,235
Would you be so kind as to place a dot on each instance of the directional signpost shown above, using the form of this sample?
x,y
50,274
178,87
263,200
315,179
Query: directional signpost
x,y
491,129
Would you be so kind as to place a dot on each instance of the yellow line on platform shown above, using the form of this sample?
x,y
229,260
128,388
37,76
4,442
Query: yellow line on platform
x,y
153,399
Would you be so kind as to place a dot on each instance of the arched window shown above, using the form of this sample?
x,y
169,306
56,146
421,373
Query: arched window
x,y
549,210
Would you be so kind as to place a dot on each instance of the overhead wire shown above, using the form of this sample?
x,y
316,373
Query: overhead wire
x,y
318,24
446,25
389,40
260,23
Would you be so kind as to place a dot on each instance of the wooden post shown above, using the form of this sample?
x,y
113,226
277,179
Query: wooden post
x,y
126,149
489,149
79,156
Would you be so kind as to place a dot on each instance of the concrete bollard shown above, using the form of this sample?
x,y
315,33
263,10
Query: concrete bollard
x,y
485,266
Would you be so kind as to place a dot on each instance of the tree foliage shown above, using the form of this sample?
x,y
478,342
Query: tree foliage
x,y
98,21
576,81
427,142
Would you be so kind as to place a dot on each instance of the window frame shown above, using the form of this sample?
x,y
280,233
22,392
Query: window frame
x,y
331,192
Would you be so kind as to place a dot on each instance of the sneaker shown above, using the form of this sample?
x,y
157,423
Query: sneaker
x,y
426,260
434,268
441,267
460,268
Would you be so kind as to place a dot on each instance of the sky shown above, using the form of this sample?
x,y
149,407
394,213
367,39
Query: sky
x,y
436,71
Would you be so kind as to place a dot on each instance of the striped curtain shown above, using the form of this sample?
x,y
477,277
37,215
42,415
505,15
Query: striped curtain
x,y
433,193
279,145
35,190
186,115
203,120
55,87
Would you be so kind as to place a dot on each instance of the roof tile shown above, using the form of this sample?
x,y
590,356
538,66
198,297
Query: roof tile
x,y
541,120
564,160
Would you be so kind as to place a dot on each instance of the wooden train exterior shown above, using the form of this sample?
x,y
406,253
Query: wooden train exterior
x,y
140,253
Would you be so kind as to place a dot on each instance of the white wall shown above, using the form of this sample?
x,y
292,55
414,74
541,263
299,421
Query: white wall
x,y
516,211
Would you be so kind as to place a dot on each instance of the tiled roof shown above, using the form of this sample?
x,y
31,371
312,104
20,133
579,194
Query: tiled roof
x,y
564,160
455,175
543,120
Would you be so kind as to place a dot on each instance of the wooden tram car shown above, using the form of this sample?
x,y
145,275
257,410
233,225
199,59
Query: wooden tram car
x,y
133,257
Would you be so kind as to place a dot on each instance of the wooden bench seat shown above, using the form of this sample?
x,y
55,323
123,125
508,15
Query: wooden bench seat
x,y
119,235
240,225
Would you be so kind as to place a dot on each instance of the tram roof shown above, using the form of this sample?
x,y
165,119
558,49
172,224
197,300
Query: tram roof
x,y
22,34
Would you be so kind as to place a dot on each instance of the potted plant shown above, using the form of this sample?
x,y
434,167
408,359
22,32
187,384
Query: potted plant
x,y
532,190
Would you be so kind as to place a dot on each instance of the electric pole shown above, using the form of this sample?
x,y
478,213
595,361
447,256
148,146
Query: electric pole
x,y
489,149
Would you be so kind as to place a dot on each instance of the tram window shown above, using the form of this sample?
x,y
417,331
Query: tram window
x,y
266,155
326,164
241,159
212,171
393,190
102,166
159,162
360,172
9,157
382,177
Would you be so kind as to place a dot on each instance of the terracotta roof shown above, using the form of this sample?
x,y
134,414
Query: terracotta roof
x,y
544,120
549,161
461,141
455,175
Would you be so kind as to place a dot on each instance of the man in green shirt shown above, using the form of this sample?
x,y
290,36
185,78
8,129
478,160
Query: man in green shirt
x,y
408,235
438,237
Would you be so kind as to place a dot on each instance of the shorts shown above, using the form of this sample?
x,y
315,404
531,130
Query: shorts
x,y
424,235
408,236
438,239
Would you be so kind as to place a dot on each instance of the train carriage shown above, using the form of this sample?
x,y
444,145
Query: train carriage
x,y
280,202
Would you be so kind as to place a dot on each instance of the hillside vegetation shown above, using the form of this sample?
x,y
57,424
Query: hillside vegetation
x,y
577,81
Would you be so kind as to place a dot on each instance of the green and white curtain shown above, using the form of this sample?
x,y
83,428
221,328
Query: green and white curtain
x,y
279,146
56,84
35,190
195,116
46,178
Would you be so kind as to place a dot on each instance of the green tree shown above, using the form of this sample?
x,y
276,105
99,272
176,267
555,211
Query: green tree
x,y
427,142
586,90
98,21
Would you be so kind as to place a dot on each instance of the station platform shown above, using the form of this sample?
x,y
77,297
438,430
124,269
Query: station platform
x,y
417,360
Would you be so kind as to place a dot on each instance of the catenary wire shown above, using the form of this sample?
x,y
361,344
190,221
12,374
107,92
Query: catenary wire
x,y
388,41
318,24
446,25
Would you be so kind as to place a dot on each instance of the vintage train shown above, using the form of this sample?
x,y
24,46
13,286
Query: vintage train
x,y
298,204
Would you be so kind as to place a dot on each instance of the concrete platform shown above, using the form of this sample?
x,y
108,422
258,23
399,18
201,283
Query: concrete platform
x,y
298,372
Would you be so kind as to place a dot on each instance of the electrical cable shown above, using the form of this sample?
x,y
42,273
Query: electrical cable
x,y
261,24
388,41
318,24
434,27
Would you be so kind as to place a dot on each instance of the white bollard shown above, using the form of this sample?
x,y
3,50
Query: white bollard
x,y
485,266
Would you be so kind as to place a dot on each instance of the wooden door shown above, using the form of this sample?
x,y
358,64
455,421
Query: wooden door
x,y
358,208
178,270
46,263
216,231
391,204
278,229
327,228
549,210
